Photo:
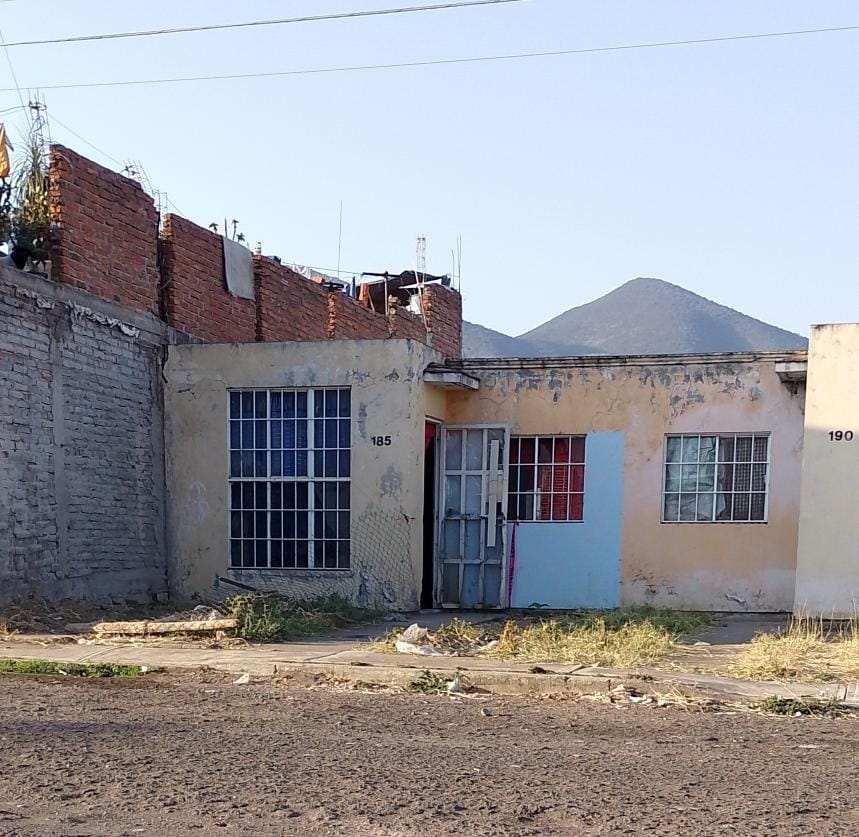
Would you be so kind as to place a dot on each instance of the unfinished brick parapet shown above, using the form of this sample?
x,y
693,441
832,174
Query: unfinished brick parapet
x,y
288,306
196,299
106,242
105,232
443,311
292,307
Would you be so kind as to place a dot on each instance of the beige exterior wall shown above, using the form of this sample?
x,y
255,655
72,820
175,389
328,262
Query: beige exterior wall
x,y
707,566
827,578
388,398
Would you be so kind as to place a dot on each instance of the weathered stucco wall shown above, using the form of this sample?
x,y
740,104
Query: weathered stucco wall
x,y
388,399
707,566
827,577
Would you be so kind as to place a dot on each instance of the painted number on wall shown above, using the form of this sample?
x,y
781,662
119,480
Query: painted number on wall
x,y
840,435
381,441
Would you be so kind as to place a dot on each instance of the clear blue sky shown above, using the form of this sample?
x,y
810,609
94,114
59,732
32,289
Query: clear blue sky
x,y
730,169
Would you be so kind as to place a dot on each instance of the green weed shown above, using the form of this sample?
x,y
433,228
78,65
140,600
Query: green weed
x,y
429,683
271,618
71,669
792,707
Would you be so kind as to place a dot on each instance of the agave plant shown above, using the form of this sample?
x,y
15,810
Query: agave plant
x,y
31,217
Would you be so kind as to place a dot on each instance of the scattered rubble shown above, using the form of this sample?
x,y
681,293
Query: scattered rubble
x,y
456,639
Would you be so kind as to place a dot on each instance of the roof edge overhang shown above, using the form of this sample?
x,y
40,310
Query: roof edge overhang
x,y
437,375
790,358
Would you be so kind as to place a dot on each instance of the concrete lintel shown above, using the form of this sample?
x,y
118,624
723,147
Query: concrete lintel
x,y
448,379
791,370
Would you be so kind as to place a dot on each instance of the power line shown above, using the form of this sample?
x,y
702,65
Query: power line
x,y
12,69
145,33
84,139
434,62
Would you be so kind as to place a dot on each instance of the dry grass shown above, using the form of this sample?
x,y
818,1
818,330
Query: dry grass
x,y
619,639
809,650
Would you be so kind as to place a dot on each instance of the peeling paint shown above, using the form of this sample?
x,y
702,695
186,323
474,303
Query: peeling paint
x,y
672,565
82,312
391,482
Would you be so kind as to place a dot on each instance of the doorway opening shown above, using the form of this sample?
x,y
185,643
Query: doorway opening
x,y
431,439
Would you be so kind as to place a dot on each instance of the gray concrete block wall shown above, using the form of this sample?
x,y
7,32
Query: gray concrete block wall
x,y
81,445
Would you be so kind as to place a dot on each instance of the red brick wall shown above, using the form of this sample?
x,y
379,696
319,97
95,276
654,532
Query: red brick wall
x,y
351,320
443,311
292,307
196,299
408,325
289,307
106,242
106,232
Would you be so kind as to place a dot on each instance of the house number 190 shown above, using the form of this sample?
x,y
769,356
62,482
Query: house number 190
x,y
840,435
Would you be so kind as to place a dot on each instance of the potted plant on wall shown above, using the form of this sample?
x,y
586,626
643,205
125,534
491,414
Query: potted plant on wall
x,y
31,217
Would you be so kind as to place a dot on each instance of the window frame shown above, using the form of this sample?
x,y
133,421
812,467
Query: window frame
x,y
512,496
734,434
309,479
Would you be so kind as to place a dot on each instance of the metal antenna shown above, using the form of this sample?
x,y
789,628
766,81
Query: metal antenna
x,y
421,258
421,272
459,263
339,238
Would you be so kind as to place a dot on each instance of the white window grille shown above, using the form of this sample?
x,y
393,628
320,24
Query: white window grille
x,y
290,479
716,478
546,478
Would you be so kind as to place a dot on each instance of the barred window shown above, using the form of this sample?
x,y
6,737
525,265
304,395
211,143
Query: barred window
x,y
546,478
716,479
289,481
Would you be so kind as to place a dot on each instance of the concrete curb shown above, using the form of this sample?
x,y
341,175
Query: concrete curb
x,y
357,667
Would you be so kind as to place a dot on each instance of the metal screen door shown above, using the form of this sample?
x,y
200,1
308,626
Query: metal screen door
x,y
471,554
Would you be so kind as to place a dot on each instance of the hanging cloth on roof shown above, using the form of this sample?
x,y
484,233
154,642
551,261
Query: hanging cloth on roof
x,y
239,269
5,165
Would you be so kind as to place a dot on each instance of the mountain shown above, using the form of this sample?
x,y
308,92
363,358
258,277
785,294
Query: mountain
x,y
643,316
479,341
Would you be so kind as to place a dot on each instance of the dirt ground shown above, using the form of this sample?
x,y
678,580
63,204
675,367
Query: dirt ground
x,y
191,753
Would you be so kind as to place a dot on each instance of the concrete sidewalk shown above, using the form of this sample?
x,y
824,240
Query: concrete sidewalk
x,y
341,658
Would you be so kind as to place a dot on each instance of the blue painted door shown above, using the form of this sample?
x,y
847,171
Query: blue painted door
x,y
471,556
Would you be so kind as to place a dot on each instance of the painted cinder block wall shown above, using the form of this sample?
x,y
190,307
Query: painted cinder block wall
x,y
388,398
827,573
717,566
81,457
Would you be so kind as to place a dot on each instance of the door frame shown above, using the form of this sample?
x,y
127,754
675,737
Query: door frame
x,y
436,477
504,467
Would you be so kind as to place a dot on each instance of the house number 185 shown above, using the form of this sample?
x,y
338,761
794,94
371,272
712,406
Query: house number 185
x,y
381,441
840,435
